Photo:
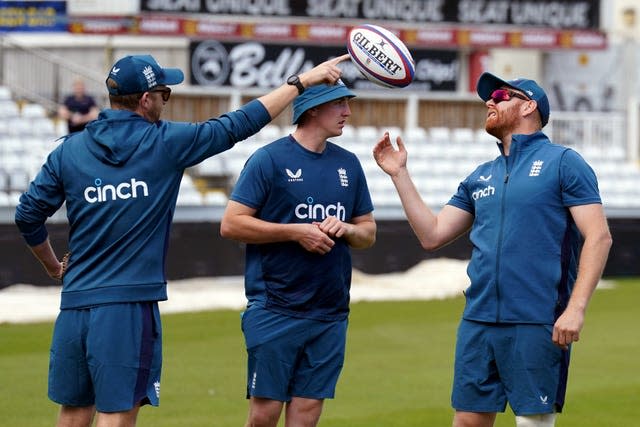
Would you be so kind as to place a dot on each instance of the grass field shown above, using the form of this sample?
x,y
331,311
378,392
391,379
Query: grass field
x,y
397,373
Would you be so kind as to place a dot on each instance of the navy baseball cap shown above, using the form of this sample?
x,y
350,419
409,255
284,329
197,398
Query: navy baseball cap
x,y
487,83
317,95
140,73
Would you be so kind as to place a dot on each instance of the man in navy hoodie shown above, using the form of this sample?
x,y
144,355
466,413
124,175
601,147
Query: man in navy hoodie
x,y
527,210
120,179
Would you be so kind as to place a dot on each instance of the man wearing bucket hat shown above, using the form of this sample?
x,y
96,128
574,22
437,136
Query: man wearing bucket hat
x,y
526,211
300,204
120,178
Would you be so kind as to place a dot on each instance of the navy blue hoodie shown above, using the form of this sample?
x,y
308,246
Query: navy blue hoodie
x,y
120,179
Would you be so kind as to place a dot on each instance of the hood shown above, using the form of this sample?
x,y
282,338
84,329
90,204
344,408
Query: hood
x,y
116,135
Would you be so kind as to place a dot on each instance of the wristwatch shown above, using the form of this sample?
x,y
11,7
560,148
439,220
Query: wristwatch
x,y
294,80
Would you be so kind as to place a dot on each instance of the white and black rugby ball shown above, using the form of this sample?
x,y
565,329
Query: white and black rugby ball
x,y
380,56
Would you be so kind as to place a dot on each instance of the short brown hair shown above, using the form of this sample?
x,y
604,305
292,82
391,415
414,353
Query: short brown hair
x,y
129,102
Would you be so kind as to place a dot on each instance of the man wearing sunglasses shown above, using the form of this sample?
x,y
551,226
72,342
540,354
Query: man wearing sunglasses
x,y
527,211
120,178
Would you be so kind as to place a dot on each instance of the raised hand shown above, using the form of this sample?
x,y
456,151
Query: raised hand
x,y
389,159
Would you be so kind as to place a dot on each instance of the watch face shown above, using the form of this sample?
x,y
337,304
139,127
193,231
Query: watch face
x,y
294,80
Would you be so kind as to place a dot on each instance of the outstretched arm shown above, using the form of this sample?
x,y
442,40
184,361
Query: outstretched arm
x,y
328,72
433,231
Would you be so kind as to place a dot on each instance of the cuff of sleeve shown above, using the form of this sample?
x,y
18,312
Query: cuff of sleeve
x,y
37,236
255,109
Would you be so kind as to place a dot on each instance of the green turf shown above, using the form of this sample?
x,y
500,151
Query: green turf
x,y
397,373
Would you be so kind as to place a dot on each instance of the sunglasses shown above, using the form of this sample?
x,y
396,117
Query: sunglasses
x,y
164,91
499,95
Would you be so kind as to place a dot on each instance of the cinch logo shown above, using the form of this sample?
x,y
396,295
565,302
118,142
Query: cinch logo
x,y
485,192
319,211
124,190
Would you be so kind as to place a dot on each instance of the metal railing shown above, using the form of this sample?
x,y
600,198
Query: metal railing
x,y
36,75
600,134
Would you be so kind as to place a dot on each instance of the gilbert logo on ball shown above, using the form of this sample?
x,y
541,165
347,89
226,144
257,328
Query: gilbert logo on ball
x,y
380,56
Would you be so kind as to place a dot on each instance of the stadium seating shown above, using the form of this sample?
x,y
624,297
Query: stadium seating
x,y
5,94
33,111
439,158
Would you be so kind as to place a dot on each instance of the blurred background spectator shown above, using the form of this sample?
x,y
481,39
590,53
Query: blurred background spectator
x,y
79,108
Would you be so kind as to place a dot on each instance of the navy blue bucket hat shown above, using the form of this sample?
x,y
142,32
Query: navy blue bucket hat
x,y
317,95
487,83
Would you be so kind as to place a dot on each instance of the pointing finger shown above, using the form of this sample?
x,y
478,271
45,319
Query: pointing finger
x,y
341,58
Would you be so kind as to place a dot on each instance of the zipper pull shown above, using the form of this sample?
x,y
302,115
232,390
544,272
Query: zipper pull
x,y
506,178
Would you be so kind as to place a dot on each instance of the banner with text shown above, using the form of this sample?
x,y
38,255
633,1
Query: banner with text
x,y
326,33
263,65
559,14
31,16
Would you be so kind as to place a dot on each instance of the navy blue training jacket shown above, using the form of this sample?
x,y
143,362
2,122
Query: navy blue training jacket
x,y
525,243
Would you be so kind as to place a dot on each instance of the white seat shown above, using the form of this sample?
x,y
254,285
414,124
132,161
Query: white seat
x,y
361,150
20,127
4,127
12,146
44,127
367,134
348,132
212,166
14,198
9,109
235,165
215,198
481,135
615,152
62,128
4,199
187,182
33,111
188,194
4,181
270,133
425,150
462,135
416,134
440,134
189,199
5,93
394,131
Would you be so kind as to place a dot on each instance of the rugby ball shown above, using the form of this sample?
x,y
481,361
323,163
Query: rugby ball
x,y
380,56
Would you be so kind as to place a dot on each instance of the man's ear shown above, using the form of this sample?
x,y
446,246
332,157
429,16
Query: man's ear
x,y
144,99
530,107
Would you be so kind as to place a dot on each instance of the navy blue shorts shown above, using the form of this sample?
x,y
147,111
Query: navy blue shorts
x,y
109,355
515,363
292,357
